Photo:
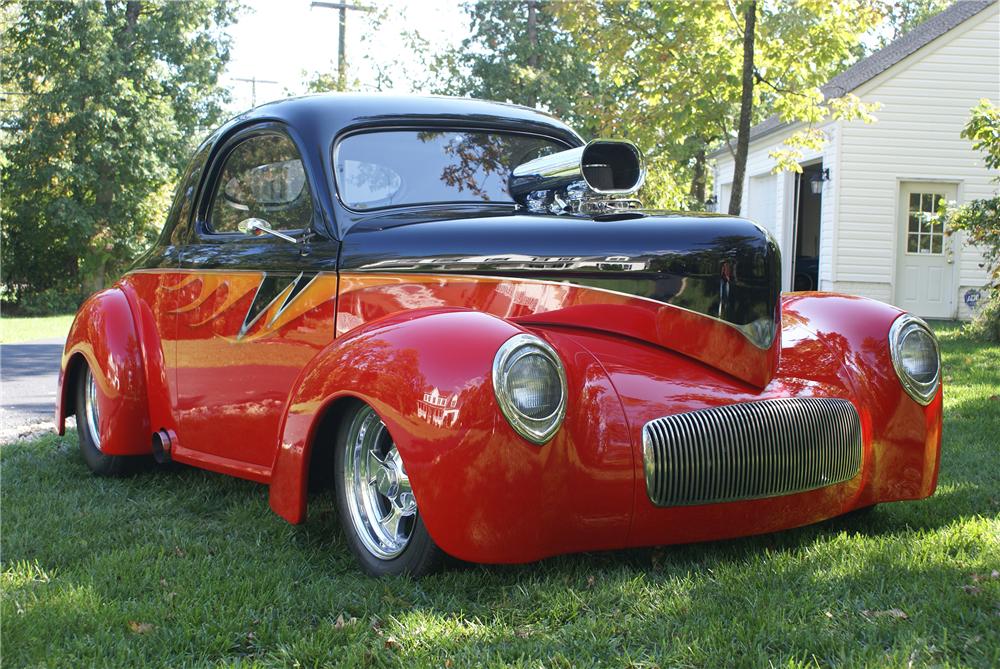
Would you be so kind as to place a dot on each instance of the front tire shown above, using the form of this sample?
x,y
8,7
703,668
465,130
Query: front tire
x,y
375,501
88,426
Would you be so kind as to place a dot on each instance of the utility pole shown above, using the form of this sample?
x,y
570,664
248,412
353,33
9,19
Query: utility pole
x,y
342,43
253,81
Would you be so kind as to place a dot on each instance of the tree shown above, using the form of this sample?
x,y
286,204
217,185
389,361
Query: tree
x,y
380,72
679,70
115,94
901,16
518,53
980,219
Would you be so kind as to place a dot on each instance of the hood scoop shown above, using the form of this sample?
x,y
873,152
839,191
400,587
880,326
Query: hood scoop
x,y
590,179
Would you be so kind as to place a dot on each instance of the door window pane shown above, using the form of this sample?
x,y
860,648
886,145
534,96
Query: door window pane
x,y
263,178
925,229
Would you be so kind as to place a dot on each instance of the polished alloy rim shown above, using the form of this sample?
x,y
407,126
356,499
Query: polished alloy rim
x,y
379,497
92,411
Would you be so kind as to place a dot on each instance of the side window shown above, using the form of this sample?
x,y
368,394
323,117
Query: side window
x,y
263,177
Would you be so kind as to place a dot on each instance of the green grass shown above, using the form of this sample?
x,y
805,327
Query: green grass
x,y
13,330
188,568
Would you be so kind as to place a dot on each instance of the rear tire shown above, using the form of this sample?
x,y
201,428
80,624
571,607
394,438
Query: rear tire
x,y
88,420
374,500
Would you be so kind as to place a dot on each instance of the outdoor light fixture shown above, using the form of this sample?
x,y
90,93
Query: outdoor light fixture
x,y
817,179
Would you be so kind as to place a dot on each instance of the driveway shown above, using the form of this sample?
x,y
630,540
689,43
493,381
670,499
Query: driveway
x,y
28,375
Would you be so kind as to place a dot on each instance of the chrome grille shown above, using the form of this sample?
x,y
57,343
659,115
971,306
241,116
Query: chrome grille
x,y
751,450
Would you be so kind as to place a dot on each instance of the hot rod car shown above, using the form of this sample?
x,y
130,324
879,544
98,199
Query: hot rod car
x,y
453,314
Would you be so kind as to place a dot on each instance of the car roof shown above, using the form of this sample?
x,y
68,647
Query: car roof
x,y
330,114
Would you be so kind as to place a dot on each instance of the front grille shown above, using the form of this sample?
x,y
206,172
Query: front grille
x,y
751,450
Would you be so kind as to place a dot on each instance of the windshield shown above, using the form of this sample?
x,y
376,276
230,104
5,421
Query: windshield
x,y
394,168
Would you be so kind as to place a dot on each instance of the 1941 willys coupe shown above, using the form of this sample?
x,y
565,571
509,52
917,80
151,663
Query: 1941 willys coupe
x,y
451,313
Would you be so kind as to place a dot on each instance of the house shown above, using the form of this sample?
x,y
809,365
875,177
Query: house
x,y
857,219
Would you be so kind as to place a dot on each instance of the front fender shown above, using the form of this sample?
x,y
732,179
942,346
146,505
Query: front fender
x,y
906,436
104,336
484,493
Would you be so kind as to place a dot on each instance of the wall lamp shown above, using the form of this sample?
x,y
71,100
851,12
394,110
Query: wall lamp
x,y
817,179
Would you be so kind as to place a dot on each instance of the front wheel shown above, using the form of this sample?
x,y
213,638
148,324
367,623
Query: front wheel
x,y
375,501
88,426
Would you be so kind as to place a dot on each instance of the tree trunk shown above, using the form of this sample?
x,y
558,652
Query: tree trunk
x,y
746,110
698,179
532,46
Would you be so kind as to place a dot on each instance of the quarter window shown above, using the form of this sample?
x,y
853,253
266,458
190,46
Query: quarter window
x,y
263,177
925,231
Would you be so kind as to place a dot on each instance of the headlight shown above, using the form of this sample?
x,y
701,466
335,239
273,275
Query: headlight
x,y
530,385
916,358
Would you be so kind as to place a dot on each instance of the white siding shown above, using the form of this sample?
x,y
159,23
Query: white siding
x,y
926,100
779,189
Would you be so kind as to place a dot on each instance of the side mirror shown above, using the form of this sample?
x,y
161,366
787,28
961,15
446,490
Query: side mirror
x,y
258,226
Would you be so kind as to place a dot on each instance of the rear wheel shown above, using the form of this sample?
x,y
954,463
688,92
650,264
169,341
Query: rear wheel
x,y
88,426
375,501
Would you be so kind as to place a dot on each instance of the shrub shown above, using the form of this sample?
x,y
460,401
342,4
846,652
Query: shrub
x,y
980,219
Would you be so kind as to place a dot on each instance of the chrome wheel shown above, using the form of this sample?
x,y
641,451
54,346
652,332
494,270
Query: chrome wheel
x,y
380,500
91,410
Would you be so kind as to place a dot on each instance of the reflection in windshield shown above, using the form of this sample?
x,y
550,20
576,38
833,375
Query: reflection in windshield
x,y
401,167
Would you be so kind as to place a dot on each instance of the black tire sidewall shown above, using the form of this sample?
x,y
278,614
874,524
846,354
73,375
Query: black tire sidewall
x,y
421,556
98,462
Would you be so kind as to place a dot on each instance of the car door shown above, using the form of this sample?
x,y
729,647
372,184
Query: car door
x,y
256,305
925,272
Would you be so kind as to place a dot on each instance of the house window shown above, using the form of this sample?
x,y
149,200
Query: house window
x,y
925,233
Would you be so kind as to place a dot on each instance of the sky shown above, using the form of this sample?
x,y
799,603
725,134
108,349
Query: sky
x,y
278,40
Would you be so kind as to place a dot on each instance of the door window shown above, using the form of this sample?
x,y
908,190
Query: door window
x,y
263,177
925,229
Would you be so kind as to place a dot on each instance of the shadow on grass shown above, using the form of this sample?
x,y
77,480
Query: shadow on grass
x,y
201,559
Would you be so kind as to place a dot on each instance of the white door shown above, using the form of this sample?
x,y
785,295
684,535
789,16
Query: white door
x,y
925,276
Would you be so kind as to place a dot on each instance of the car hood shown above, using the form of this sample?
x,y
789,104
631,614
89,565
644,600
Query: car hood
x,y
706,286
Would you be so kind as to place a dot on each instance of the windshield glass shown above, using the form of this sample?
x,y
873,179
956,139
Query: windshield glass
x,y
392,168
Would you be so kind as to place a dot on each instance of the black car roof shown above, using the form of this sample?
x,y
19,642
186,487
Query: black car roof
x,y
332,113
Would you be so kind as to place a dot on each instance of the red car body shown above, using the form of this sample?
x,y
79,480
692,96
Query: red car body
x,y
172,355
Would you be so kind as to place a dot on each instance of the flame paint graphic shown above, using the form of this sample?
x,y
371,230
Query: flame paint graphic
x,y
270,306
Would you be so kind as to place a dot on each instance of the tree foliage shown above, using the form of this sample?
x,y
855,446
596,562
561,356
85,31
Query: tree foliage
x,y
902,16
373,68
112,97
667,75
980,219
519,52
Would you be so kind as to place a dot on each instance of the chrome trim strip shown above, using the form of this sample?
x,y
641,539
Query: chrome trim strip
x,y
751,450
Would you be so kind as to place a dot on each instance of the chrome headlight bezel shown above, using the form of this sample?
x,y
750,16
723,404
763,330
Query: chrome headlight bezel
x,y
921,392
536,430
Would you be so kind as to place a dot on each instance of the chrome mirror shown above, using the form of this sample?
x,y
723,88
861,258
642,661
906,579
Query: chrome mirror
x,y
258,226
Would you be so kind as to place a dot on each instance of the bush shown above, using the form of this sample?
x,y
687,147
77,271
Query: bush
x,y
980,219
48,302
986,325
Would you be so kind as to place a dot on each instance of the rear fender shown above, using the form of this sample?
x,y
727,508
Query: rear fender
x,y
104,337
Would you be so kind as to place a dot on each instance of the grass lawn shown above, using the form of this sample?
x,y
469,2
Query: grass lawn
x,y
13,330
188,568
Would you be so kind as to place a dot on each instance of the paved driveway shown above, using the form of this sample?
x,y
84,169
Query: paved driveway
x,y
28,376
